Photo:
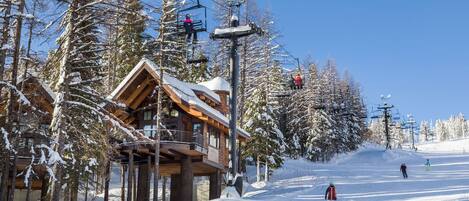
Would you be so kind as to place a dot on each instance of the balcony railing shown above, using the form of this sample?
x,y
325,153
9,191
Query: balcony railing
x,y
168,135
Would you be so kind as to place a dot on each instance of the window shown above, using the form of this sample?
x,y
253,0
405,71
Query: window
x,y
197,133
149,130
227,143
197,128
214,137
147,115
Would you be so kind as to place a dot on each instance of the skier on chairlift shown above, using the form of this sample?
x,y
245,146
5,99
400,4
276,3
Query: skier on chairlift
x,y
298,81
189,28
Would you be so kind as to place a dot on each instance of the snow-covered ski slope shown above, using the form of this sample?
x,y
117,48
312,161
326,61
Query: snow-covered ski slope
x,y
373,174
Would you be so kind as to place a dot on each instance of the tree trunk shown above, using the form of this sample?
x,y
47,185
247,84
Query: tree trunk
x,y
258,169
107,181
60,106
266,177
5,178
4,39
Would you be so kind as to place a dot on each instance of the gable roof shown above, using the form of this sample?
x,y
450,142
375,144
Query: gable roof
x,y
179,90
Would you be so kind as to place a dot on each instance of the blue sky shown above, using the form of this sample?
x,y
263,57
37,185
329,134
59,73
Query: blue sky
x,y
417,50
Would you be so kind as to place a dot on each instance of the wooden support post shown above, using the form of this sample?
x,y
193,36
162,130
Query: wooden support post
x,y
134,183
187,179
44,187
215,185
130,177
28,192
13,180
149,176
165,179
143,181
123,170
107,180
175,190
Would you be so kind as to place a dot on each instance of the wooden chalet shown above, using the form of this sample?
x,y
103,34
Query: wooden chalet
x,y
194,138
34,125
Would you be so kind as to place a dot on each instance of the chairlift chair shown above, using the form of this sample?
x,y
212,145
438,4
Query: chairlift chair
x,y
199,25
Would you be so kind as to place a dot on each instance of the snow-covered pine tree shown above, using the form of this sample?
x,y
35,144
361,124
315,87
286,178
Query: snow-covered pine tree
x,y
441,131
129,39
266,139
300,113
376,127
78,60
424,134
397,136
219,49
174,45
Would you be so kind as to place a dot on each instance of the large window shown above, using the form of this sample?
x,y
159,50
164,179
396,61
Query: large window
x,y
149,127
149,130
214,137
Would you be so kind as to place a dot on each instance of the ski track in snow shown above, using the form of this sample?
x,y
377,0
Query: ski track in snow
x,y
372,174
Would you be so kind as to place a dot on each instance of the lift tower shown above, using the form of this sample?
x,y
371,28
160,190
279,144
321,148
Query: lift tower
x,y
233,33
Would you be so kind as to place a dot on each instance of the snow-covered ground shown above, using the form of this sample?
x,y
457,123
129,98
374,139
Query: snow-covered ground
x,y
373,174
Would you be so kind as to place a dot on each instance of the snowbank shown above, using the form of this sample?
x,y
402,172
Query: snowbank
x,y
452,146
376,154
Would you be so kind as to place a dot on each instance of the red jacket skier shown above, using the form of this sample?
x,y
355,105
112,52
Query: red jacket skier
x,y
189,28
330,193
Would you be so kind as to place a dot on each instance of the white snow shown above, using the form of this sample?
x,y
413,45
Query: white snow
x,y
217,84
5,139
201,88
372,174
230,30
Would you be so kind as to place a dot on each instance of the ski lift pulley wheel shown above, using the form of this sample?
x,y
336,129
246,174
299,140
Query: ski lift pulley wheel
x,y
199,25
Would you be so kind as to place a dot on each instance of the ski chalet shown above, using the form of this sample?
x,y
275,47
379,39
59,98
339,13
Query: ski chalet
x,y
34,125
193,138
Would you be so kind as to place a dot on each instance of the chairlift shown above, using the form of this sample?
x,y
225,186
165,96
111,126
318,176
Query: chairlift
x,y
198,24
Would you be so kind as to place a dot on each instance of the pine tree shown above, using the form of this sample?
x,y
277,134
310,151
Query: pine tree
x,y
129,38
266,139
424,134
79,80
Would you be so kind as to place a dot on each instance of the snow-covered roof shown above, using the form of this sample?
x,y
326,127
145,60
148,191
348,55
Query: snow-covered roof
x,y
40,81
183,90
209,93
217,84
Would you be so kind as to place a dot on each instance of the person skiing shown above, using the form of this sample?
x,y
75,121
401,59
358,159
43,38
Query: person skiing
x,y
298,81
189,28
404,170
427,165
330,192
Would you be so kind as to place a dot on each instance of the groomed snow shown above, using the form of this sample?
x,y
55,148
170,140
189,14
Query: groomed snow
x,y
372,174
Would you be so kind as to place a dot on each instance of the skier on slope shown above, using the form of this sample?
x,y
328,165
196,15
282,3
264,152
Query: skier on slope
x,y
189,28
330,192
427,165
404,170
